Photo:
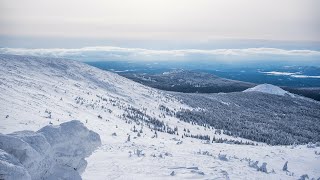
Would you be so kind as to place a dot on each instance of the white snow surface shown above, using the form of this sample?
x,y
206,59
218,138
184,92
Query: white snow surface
x,y
53,152
36,92
269,89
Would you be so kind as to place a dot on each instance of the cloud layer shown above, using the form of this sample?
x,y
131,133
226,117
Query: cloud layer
x,y
200,20
119,53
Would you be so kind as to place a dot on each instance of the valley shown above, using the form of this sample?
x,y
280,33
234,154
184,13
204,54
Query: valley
x,y
212,77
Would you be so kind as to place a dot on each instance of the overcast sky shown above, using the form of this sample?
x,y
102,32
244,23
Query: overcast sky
x,y
192,20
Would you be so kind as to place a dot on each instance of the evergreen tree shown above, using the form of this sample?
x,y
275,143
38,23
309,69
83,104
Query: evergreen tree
x,y
285,166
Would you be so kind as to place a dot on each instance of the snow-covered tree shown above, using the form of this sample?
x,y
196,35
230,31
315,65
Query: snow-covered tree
x,y
263,167
285,166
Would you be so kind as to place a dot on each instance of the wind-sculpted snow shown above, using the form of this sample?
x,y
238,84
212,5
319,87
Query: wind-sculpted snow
x,y
53,152
11,168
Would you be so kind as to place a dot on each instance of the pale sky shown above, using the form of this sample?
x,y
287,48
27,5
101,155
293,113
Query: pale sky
x,y
194,20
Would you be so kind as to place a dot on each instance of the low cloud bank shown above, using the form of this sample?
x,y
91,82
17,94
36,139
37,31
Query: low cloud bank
x,y
119,53
295,74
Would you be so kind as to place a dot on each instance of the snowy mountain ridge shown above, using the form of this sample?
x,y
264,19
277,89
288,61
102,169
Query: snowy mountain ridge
x,y
130,119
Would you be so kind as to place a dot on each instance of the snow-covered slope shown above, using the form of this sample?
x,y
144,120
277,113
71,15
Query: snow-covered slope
x,y
55,90
41,91
269,89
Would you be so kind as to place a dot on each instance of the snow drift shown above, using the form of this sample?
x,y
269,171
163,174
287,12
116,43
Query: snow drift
x,y
53,152
269,89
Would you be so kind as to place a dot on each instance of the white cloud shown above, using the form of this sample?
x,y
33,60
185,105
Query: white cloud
x,y
305,76
119,53
276,73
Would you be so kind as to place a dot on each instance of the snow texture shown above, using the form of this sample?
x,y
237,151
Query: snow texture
x,y
53,152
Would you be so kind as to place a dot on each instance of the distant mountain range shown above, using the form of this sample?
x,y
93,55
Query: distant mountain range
x,y
200,82
188,82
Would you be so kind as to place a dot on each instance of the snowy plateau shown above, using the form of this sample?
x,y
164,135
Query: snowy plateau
x,y
125,130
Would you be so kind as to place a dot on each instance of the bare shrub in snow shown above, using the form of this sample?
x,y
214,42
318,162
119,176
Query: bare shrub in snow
x,y
172,173
304,177
223,157
254,164
139,152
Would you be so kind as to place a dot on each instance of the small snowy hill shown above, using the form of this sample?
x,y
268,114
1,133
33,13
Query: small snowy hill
x,y
140,134
269,89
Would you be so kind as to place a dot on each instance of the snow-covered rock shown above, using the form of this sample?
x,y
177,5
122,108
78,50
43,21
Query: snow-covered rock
x,y
50,153
11,168
269,89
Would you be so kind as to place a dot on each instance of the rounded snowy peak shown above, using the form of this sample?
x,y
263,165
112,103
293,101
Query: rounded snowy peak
x,y
269,89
